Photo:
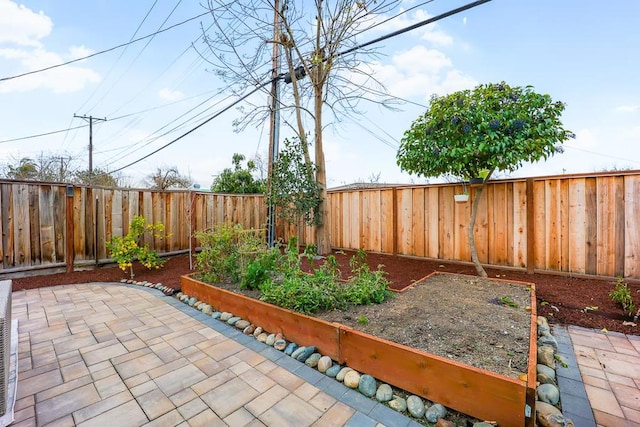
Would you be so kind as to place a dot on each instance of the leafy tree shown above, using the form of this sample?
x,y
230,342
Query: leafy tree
x,y
293,189
24,169
494,127
166,178
238,180
98,177
311,37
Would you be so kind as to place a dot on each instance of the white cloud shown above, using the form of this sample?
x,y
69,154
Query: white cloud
x,y
170,95
420,71
429,32
628,108
59,80
76,52
21,25
586,139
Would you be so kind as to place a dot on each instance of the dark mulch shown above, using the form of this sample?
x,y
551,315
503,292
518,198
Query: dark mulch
x,y
562,299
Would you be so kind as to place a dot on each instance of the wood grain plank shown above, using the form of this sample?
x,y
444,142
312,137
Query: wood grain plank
x,y
577,226
481,228
618,246
461,220
2,227
386,221
418,222
22,242
8,259
540,221
591,229
354,208
432,215
34,225
45,219
405,222
59,222
520,224
376,220
445,223
606,226
554,223
564,224
632,227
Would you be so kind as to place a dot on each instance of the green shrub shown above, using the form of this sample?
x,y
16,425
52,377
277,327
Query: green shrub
x,y
126,249
258,271
621,294
368,287
219,258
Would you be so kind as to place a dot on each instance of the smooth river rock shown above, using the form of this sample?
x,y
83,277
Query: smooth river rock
x,y
398,403
340,376
435,412
324,364
548,393
352,379
415,406
367,385
312,361
384,393
333,371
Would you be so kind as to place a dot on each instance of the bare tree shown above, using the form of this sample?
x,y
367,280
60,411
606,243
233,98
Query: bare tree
x,y
313,40
43,167
165,178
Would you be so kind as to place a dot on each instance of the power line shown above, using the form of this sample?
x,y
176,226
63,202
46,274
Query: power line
x,y
2,79
286,76
119,56
228,107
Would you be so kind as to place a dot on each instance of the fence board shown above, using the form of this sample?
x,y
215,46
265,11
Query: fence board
x,y
481,228
577,226
432,221
387,234
405,222
21,228
606,226
35,255
418,222
520,224
45,219
632,226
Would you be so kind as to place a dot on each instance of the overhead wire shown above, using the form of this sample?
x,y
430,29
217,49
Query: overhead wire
x,y
342,53
122,52
40,70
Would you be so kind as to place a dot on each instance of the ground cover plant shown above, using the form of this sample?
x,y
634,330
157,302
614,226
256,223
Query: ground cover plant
x,y
277,273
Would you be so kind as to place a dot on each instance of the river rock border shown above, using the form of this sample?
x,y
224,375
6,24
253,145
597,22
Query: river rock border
x,y
414,406
548,404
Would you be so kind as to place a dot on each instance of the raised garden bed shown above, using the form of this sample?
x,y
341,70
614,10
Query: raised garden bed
x,y
477,392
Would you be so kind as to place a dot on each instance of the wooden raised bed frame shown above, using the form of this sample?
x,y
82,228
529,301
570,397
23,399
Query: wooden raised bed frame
x,y
476,392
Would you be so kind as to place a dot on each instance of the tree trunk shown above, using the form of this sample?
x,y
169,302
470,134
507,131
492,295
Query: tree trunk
x,y
323,240
471,237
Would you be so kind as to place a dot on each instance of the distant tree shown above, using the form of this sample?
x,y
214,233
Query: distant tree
x,y
98,177
166,178
238,180
23,169
44,167
473,133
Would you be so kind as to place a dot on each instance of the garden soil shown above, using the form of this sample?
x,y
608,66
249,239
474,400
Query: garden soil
x,y
562,299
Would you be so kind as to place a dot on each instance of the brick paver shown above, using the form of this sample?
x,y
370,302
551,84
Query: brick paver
x,y
111,354
610,368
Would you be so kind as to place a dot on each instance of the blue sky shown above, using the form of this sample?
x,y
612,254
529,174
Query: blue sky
x,y
582,53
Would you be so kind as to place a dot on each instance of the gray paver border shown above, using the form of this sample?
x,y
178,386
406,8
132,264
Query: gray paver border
x,y
573,396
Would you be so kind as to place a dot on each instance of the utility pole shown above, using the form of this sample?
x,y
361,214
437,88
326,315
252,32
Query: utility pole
x,y
274,128
90,119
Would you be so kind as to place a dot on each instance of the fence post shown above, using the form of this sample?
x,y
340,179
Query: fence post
x,y
530,228
394,234
69,256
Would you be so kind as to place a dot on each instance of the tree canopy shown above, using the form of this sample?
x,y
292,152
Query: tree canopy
x,y
238,180
166,178
493,127
472,133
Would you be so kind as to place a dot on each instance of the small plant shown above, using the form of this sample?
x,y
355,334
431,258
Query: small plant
x,y
621,294
128,248
220,258
259,270
363,320
506,300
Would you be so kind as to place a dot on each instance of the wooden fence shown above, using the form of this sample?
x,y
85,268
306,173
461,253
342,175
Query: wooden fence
x,y
578,224
38,218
